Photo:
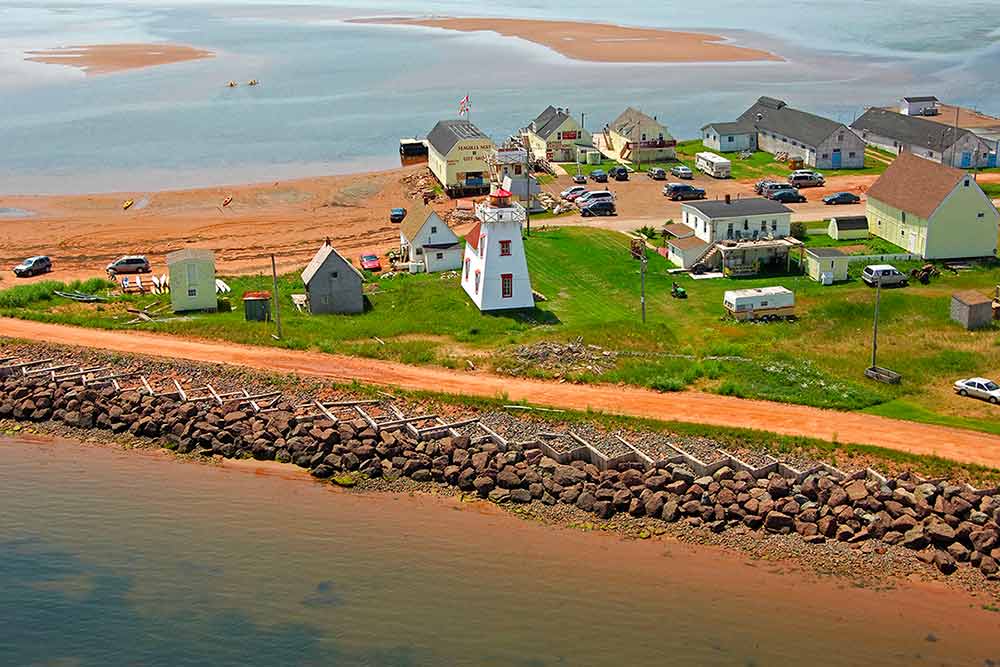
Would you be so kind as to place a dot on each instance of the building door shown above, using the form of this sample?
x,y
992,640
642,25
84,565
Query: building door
x,y
836,158
991,161
966,159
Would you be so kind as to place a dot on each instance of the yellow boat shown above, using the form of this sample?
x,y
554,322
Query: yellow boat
x,y
127,204
252,82
232,84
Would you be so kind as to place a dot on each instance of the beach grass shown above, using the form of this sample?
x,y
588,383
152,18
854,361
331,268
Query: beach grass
x,y
591,286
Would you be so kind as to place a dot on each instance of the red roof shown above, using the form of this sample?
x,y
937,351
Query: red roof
x,y
473,236
502,193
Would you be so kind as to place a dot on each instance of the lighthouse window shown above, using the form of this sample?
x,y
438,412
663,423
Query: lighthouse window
x,y
507,285
505,248
477,281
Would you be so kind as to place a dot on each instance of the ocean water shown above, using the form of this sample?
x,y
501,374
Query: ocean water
x,y
336,97
114,558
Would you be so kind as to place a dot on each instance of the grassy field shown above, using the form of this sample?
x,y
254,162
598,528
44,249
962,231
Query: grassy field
x,y
873,245
763,165
592,290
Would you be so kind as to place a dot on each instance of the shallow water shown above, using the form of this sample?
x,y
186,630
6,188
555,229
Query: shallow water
x,y
336,97
111,558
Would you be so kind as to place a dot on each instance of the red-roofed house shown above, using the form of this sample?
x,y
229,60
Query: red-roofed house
x,y
494,269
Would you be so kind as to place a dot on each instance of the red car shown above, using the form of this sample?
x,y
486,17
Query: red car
x,y
370,262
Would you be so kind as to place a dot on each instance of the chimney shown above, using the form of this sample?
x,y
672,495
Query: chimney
x,y
729,200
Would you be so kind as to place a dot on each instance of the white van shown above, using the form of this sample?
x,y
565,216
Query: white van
x,y
760,303
713,165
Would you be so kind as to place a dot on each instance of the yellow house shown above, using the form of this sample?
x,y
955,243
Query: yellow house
x,y
636,137
555,136
826,265
932,210
457,155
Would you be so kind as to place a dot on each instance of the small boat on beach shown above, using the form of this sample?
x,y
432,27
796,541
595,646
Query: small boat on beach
x,y
253,82
227,201
232,84
127,204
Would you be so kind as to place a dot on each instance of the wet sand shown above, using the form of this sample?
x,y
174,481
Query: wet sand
x,y
600,42
109,58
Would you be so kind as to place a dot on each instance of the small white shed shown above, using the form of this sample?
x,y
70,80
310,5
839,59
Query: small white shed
x,y
192,280
848,227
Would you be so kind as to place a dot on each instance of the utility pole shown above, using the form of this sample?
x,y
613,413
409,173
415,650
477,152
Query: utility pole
x,y
878,298
277,311
642,279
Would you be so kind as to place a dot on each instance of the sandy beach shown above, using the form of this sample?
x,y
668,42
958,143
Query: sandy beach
x,y
110,58
600,42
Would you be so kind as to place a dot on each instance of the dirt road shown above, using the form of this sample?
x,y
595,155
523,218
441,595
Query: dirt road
x,y
955,444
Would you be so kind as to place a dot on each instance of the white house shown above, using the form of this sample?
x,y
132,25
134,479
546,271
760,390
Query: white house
x,y
737,219
495,269
729,137
457,155
555,135
427,240
899,133
924,105
685,251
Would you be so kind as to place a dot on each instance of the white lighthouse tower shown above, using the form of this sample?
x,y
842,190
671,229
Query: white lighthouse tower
x,y
494,269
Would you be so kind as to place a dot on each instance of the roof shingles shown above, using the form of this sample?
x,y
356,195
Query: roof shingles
x,y
915,185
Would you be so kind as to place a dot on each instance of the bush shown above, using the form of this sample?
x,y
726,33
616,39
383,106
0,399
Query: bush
x,y
732,388
666,384
798,230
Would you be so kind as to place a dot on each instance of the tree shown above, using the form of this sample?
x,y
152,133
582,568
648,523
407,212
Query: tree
x,y
798,230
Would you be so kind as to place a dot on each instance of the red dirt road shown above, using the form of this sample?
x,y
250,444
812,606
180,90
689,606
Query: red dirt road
x,y
950,443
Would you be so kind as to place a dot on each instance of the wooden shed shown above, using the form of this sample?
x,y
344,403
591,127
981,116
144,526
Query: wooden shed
x,y
972,309
192,280
333,284
826,265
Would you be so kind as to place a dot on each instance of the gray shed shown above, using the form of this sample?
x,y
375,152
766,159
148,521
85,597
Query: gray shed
x,y
333,284
972,309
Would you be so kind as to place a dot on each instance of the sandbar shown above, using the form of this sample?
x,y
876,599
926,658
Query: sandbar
x,y
600,42
109,58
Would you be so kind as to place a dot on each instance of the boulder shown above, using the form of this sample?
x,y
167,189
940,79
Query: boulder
x,y
520,496
837,497
483,484
983,540
940,533
603,509
567,475
915,538
585,501
777,522
856,491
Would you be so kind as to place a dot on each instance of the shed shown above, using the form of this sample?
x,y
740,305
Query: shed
x,y
848,227
192,280
686,251
826,265
333,284
972,309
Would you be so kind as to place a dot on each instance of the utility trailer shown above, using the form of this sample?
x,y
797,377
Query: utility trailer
x,y
760,303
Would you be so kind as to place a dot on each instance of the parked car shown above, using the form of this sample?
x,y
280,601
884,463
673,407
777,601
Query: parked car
x,y
599,207
767,188
397,214
681,192
764,183
806,179
682,171
594,195
128,264
618,173
370,262
599,176
573,196
886,274
841,198
33,266
575,190
657,174
789,196
987,390
580,179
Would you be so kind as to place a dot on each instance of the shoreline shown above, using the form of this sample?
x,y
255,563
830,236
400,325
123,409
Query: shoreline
x,y
96,59
599,42
521,478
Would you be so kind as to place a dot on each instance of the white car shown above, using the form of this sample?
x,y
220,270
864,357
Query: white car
x,y
575,190
593,196
987,390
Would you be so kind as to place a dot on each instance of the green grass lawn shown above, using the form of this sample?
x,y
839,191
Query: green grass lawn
x,y
763,165
992,190
873,245
592,289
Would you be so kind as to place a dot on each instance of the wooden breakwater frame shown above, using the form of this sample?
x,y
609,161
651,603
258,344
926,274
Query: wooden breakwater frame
x,y
425,427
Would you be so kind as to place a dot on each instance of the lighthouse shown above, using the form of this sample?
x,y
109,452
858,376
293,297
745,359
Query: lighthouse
x,y
494,268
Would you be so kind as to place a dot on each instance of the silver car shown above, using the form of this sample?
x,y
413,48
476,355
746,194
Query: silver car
x,y
981,388
885,274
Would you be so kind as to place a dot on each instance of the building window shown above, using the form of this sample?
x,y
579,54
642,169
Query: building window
x,y
746,225
826,155
774,225
477,281
903,217
507,285
192,291
505,248
420,251
434,229
334,275
730,139
467,263
440,255
966,182
980,214
851,154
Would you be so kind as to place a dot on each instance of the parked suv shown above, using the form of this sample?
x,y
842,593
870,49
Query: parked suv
x,y
599,207
682,191
806,179
886,274
773,186
594,195
128,264
765,183
599,176
618,173
33,266
657,174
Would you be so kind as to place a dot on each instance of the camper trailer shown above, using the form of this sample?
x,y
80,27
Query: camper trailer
x,y
761,303
713,165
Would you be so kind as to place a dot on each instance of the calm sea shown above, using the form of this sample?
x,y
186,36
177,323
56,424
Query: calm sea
x,y
336,97
114,558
